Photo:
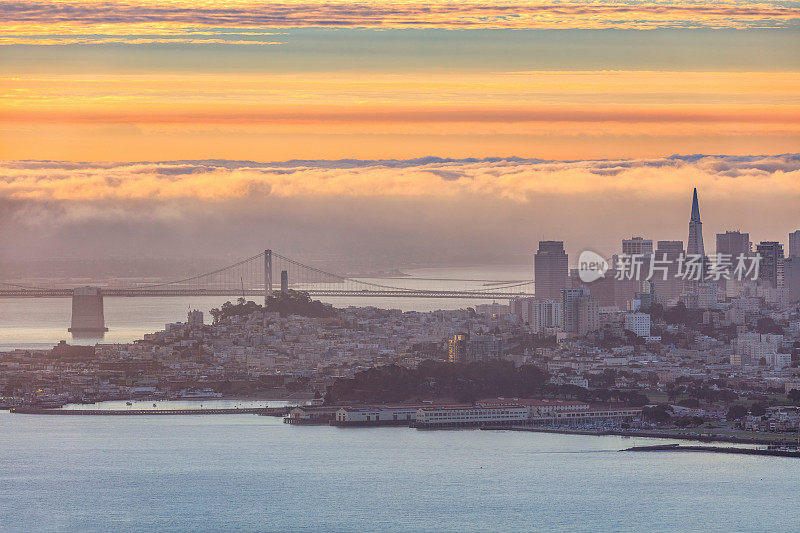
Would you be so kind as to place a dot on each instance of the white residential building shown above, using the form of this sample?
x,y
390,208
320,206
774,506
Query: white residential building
x,y
750,348
539,314
638,323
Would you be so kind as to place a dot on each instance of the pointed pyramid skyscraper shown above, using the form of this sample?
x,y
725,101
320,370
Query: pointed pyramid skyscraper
x,y
695,244
695,208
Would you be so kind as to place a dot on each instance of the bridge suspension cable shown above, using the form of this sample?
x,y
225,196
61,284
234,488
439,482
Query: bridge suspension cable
x,y
268,270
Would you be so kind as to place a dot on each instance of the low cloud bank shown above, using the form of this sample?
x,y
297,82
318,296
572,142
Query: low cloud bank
x,y
384,211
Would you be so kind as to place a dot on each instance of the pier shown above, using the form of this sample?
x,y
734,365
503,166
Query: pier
x,y
264,411
776,452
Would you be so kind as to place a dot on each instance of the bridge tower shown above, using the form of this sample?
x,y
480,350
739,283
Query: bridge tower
x,y
267,275
87,311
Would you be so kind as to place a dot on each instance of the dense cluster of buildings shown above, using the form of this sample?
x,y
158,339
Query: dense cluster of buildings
x,y
665,336
263,354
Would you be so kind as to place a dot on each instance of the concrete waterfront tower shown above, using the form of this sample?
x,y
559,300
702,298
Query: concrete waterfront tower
x,y
87,311
284,281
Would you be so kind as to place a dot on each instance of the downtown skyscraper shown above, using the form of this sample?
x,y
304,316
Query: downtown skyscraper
x,y
550,270
695,246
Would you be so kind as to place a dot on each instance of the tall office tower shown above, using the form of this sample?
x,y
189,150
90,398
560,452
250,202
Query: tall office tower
x,y
610,291
794,244
581,311
695,243
667,282
550,270
770,268
637,246
791,277
733,243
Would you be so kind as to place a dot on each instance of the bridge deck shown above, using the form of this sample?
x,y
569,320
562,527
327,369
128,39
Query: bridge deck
x,y
131,293
251,276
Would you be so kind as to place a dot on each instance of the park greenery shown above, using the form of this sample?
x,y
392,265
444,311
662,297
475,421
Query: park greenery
x,y
464,382
438,380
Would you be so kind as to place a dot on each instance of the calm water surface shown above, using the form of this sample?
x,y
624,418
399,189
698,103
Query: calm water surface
x,y
252,473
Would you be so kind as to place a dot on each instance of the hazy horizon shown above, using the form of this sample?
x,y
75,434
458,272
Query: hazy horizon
x,y
362,215
381,134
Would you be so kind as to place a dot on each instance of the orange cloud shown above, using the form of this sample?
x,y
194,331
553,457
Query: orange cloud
x,y
518,180
394,115
86,17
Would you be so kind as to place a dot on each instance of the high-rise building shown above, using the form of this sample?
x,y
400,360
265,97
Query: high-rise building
x,y
464,348
644,300
733,243
637,246
667,282
751,348
701,295
770,267
612,292
791,278
538,314
550,270
638,323
643,248
695,246
794,244
581,311
195,318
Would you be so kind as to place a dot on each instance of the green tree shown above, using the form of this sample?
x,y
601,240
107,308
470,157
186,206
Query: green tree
x,y
794,395
658,414
758,409
736,411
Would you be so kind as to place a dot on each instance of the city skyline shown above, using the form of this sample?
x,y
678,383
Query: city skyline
x,y
257,257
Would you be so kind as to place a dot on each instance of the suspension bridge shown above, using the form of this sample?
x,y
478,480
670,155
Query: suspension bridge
x,y
253,277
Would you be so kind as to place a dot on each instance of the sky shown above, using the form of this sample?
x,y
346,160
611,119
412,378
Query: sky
x,y
177,127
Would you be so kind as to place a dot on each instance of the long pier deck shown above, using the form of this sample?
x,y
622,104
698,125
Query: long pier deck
x,y
714,449
266,411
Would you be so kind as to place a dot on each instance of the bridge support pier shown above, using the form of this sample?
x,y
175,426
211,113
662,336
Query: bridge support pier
x,y
267,275
87,311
